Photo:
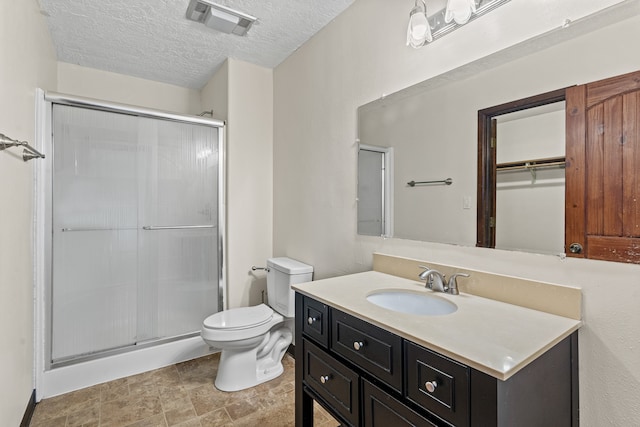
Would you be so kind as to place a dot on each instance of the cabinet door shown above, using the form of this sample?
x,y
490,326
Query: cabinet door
x,y
438,384
603,170
336,384
381,410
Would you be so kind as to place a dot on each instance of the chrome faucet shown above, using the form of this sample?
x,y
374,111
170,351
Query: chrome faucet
x,y
435,280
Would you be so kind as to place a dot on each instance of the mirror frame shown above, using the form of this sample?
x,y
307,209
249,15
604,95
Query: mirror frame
x,y
486,209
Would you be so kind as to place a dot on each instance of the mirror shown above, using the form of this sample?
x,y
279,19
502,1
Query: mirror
x,y
432,128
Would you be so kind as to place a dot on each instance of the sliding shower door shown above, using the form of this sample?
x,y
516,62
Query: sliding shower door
x,y
135,237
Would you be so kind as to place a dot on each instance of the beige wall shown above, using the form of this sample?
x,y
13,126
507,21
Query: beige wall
x,y
28,62
107,86
215,94
249,180
317,91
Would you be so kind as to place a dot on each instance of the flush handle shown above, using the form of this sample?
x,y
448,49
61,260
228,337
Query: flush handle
x,y
431,386
575,248
357,345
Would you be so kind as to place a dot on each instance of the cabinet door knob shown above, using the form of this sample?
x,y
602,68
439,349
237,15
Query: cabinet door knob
x,y
324,378
431,386
310,320
357,345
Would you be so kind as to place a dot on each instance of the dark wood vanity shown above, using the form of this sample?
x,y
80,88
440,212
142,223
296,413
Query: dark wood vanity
x,y
365,375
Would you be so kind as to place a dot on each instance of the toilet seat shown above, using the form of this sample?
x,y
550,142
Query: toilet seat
x,y
239,318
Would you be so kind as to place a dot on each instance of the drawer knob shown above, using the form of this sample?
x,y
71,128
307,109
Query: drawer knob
x,y
324,378
310,320
431,386
357,345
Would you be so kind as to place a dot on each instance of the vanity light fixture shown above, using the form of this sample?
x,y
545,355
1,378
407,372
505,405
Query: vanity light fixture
x,y
452,17
419,29
220,18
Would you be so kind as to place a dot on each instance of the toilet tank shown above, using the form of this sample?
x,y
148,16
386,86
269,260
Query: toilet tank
x,y
284,272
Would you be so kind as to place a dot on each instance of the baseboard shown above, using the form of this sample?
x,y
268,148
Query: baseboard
x,y
28,413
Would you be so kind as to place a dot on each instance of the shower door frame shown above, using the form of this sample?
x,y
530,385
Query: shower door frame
x,y
52,380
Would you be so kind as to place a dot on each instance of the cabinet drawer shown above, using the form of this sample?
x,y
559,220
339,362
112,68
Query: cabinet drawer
x,y
316,321
375,350
438,384
332,381
381,410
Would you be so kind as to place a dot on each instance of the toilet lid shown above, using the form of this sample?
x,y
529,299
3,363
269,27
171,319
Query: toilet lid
x,y
239,318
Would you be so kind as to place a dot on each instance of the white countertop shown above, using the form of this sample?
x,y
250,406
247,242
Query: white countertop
x,y
496,338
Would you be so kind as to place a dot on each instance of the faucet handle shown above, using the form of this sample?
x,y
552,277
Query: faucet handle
x,y
452,285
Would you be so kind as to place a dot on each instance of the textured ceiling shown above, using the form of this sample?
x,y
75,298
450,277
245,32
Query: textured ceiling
x,y
152,39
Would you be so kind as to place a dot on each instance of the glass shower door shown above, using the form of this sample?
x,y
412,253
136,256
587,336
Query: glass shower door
x,y
95,243
178,217
135,242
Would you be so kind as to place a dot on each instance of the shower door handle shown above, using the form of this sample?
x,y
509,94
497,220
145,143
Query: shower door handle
x,y
175,227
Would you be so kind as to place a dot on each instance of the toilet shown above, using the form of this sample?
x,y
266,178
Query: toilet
x,y
254,339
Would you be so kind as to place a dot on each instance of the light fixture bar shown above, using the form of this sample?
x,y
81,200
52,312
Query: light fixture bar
x,y
439,27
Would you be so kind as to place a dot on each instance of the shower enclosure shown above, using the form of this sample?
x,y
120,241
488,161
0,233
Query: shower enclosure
x,y
133,215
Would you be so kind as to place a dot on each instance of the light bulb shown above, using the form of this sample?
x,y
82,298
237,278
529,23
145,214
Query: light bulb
x,y
459,11
418,31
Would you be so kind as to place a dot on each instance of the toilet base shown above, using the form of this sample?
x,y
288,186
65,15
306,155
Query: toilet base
x,y
242,369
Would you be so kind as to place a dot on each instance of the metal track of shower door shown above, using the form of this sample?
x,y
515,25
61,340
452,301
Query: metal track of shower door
x,y
71,360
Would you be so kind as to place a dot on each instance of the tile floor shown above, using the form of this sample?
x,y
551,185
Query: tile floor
x,y
179,395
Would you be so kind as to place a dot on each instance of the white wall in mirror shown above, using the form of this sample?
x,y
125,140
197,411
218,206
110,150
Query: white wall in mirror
x,y
530,201
535,133
428,137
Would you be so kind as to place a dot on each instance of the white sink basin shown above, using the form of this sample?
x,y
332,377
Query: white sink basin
x,y
412,303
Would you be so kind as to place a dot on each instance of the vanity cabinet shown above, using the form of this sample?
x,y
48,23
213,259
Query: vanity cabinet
x,y
367,376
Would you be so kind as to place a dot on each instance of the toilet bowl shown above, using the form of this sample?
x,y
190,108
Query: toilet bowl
x,y
254,339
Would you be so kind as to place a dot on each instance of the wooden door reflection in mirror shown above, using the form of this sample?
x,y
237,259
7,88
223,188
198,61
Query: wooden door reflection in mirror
x,y
603,170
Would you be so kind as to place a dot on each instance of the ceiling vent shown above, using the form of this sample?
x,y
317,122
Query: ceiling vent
x,y
220,18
